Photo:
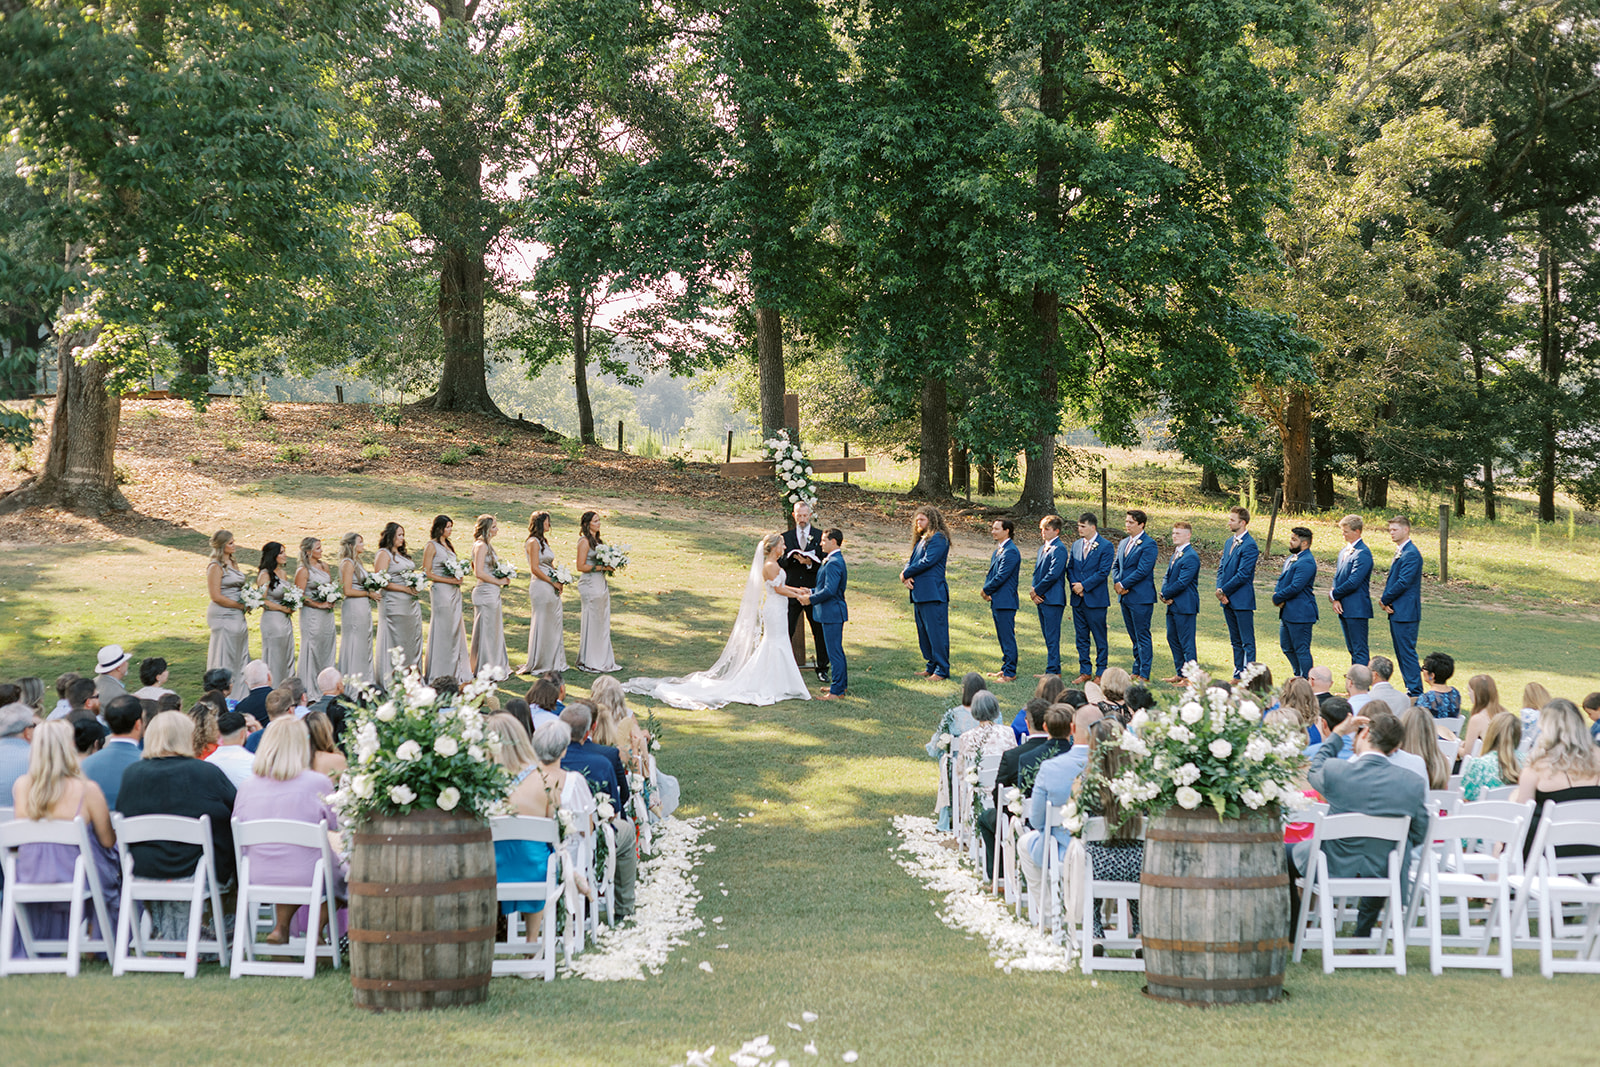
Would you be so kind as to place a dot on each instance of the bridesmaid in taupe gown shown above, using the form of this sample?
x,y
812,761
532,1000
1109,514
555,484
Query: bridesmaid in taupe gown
x,y
488,615
447,633
400,606
230,634
318,647
277,620
547,649
594,624
355,612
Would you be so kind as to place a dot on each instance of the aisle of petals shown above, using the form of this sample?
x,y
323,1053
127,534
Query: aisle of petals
x,y
1014,944
664,909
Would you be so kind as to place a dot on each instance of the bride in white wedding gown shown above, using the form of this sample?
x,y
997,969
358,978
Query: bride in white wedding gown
x,y
757,664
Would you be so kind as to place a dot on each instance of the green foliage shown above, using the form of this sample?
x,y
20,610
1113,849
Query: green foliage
x,y
503,439
475,449
375,451
574,449
678,462
253,408
230,443
391,415
450,457
293,453
369,438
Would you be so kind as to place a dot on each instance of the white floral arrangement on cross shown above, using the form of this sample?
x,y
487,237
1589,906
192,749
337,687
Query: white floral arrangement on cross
x,y
419,749
1211,748
791,470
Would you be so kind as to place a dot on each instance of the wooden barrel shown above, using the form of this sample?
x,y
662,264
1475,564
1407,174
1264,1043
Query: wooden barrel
x,y
422,911
1214,907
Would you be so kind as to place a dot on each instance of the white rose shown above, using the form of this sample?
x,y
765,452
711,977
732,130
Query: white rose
x,y
361,785
1187,774
475,753
1252,799
1249,709
605,810
401,794
1132,745
1257,749
408,751
449,797
446,746
1139,720
1288,749
386,711
1191,712
1269,789
1180,733
1221,748
1189,798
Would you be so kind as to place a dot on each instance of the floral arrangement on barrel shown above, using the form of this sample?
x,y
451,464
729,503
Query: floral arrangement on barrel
x,y
1211,748
419,749
791,470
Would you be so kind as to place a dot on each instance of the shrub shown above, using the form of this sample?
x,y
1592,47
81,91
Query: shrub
x,y
370,438
677,461
475,449
391,415
124,475
558,467
574,449
253,408
149,414
451,456
293,453
231,444
375,451
502,439
196,458
451,427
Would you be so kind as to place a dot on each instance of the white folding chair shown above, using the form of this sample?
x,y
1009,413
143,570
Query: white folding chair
x,y
313,895
1450,870
1328,890
1529,900
1455,783
1563,881
200,886
1047,904
540,964
1119,937
85,883
1449,749
1006,879
1452,724
1502,792
1441,801
961,803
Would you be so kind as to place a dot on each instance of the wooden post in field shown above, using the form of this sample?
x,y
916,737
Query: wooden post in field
x,y
619,435
1277,499
338,391
1105,519
847,456
1444,542
730,447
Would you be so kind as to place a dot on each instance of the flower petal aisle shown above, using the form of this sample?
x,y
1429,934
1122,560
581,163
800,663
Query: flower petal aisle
x,y
1015,945
664,904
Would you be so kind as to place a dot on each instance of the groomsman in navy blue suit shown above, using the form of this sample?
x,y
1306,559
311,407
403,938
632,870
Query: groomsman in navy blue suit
x,y
1133,576
1296,600
831,611
1402,599
1049,590
1180,592
1352,589
1000,590
1087,569
1236,589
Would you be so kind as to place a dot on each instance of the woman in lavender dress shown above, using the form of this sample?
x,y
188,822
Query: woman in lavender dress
x,y
318,649
277,620
230,634
448,656
400,619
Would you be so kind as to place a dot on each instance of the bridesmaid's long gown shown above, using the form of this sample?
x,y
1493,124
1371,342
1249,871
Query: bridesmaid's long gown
x,y
230,633
547,649
277,636
355,632
447,635
317,642
489,623
594,623
399,621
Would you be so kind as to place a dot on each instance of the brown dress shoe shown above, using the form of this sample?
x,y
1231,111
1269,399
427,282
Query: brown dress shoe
x,y
1176,679
1080,679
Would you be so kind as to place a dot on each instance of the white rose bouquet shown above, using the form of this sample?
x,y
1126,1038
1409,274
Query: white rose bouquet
x,y
455,568
504,571
373,582
414,580
559,573
292,598
329,593
791,470
417,750
613,556
251,599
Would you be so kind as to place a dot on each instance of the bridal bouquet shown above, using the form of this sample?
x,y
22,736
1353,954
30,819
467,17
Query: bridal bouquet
x,y
613,556
292,597
504,571
559,573
329,593
373,582
455,568
414,580
791,469
250,598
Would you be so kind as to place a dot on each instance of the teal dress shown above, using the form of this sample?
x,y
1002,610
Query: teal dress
x,y
521,861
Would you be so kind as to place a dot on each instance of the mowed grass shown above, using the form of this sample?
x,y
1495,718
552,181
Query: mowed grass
x,y
799,797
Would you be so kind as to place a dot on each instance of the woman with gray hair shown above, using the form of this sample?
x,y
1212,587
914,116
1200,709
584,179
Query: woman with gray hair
x,y
982,746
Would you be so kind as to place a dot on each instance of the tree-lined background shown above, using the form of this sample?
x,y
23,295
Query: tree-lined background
x,y
1306,239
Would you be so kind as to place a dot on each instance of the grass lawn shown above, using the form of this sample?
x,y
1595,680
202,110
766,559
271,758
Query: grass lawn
x,y
817,916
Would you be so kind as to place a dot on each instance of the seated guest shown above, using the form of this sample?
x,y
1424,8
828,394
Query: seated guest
x,y
555,678
125,720
539,788
588,759
544,698
230,756
258,680
332,702
111,668
448,688
982,746
518,709
1421,743
1139,699
1564,765
170,781
1534,698
1591,708
53,789
1439,699
17,724
81,697
276,706
220,680
1020,763
1368,784
88,737
10,693
1298,831
172,702
1382,670
63,705
1120,857
1335,711
1114,685
1052,788
1298,698
283,786
1321,679
614,721
297,696
325,755
1257,681
1500,765
32,693
152,679
205,717
585,758
1358,686
958,720
1050,690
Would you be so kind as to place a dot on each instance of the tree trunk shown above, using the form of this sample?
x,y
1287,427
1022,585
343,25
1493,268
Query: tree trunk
x,y
1373,490
1461,498
1209,483
462,382
80,471
1322,465
986,478
1296,438
769,368
1488,489
960,471
1551,366
933,452
580,371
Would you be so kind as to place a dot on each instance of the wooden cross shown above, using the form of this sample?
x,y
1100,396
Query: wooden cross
x,y
765,468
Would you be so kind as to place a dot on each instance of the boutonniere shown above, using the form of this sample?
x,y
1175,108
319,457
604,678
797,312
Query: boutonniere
x,y
1092,545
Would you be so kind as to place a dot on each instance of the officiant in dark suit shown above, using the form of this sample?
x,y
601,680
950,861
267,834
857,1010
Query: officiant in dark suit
x,y
802,557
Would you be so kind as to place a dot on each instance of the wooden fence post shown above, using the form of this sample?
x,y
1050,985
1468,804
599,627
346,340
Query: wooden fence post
x,y
1105,517
1277,499
847,456
619,435
730,447
1444,542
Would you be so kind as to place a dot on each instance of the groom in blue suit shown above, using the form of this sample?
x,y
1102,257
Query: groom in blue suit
x,y
1049,590
1000,590
1087,569
1402,599
828,608
1352,589
1236,589
1296,601
1133,576
1180,592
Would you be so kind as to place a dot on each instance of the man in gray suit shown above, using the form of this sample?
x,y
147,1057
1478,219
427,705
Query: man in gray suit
x,y
1366,785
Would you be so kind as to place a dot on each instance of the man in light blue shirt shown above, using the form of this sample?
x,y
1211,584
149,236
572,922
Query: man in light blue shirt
x,y
1053,788
1358,683
16,740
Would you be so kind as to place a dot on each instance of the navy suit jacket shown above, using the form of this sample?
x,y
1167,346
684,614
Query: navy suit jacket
x,y
1091,572
597,769
1352,582
1182,583
1134,568
1403,590
1236,574
1050,572
926,570
1294,594
827,599
1368,785
1005,565
105,767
